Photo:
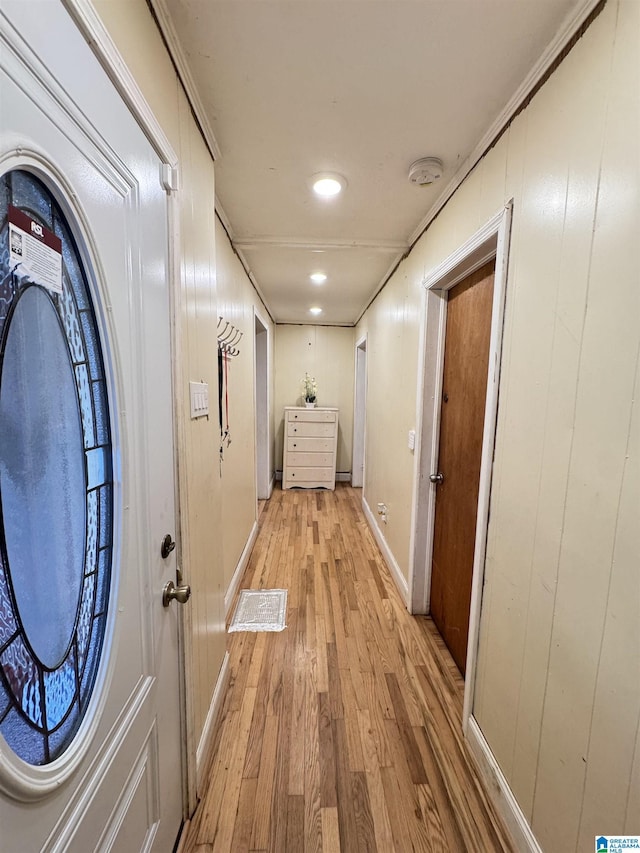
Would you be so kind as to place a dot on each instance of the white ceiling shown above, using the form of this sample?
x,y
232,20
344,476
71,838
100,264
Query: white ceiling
x,y
285,89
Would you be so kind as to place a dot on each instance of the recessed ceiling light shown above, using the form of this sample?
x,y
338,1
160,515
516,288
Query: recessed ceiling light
x,y
328,185
318,277
315,310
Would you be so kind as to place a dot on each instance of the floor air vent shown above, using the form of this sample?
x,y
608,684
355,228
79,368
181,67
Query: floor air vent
x,y
260,610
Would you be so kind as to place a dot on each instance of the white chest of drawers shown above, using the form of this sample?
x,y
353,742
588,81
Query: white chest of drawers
x,y
310,442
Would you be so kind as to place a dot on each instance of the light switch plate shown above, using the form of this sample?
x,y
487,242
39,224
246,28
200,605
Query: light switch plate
x,y
412,439
199,396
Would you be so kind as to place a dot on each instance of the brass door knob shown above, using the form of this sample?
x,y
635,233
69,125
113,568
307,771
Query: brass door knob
x,y
171,592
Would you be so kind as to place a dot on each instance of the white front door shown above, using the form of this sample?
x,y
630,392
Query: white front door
x,y
90,759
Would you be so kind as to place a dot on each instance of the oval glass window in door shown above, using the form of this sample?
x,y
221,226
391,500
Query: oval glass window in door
x,y
56,488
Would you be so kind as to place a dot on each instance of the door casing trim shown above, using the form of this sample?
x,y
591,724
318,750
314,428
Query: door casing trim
x,y
257,315
90,25
490,241
359,399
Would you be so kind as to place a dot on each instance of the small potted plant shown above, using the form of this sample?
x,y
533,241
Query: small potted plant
x,y
309,391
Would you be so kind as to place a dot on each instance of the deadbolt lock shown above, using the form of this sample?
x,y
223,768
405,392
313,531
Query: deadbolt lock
x,y
167,546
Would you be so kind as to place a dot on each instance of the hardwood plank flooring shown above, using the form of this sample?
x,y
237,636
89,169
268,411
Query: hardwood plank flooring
x,y
342,733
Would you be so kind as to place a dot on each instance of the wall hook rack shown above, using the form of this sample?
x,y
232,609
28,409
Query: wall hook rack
x,y
229,338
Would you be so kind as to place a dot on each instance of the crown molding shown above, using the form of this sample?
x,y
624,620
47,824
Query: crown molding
x,y
567,30
222,216
95,33
183,71
263,242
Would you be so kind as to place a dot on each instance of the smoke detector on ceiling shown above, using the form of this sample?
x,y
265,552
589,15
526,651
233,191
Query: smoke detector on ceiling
x,y
425,171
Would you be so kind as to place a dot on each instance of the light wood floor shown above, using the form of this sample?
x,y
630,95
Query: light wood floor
x,y
342,732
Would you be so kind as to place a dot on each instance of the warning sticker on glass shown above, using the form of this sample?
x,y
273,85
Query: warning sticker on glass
x,y
34,251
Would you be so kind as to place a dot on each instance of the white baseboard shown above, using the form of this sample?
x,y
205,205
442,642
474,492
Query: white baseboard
x,y
242,565
498,789
213,715
394,568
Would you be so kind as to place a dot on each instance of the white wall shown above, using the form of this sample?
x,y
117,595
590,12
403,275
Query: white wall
x,y
393,326
558,689
236,302
325,352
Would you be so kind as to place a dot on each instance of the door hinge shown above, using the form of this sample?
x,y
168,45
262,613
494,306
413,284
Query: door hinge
x,y
169,177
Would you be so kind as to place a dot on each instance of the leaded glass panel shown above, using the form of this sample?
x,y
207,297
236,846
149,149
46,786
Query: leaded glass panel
x,y
55,488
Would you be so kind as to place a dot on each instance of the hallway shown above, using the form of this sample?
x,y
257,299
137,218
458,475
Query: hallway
x,y
342,732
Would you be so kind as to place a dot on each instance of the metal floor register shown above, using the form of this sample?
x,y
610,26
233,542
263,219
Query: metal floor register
x,y
260,610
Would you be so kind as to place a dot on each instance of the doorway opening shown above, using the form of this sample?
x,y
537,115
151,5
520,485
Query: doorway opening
x,y
359,414
264,481
488,245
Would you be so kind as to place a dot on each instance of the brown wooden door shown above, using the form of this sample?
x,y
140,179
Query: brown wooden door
x,y
464,389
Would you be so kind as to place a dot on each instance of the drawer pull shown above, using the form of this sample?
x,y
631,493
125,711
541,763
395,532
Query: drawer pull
x,y
294,444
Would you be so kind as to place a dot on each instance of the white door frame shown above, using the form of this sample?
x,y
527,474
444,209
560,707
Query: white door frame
x,y
262,408
359,413
491,241
185,614
90,25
